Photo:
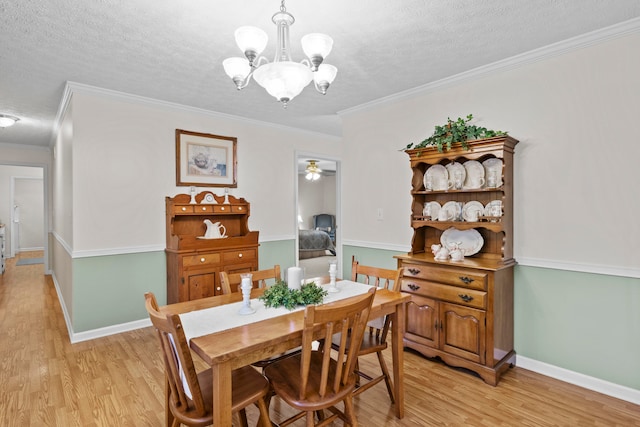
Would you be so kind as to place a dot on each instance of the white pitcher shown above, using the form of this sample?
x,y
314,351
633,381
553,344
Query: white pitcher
x,y
214,230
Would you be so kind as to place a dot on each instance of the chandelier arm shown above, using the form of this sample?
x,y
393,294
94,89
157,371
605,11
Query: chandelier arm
x,y
306,62
261,61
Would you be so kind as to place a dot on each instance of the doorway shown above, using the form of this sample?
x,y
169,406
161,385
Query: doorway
x,y
318,215
24,186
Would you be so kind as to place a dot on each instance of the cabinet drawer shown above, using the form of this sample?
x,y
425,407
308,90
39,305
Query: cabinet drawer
x,y
203,208
182,209
240,256
203,260
453,276
238,209
221,208
455,294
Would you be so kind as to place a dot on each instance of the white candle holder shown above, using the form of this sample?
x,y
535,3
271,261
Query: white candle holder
x,y
226,196
333,270
246,286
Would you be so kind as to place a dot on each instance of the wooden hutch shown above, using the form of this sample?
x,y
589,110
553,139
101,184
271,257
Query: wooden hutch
x,y
193,262
462,311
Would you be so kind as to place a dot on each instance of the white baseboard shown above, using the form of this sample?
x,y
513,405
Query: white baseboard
x,y
109,330
610,389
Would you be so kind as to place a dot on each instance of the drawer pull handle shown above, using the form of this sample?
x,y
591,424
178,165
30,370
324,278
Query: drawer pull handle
x,y
413,286
222,208
204,208
466,280
465,297
239,255
203,259
240,208
413,271
184,209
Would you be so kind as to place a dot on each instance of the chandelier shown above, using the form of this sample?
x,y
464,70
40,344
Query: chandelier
x,y
282,78
313,171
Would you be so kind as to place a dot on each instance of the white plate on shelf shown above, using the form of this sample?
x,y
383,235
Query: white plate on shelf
x,y
475,174
470,207
439,176
454,210
435,208
494,165
469,241
454,167
490,205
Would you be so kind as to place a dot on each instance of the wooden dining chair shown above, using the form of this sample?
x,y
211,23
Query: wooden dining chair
x,y
190,397
229,281
375,339
312,380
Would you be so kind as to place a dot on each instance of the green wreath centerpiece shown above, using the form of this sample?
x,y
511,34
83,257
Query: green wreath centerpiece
x,y
279,295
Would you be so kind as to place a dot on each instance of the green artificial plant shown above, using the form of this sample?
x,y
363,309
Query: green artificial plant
x,y
458,131
279,295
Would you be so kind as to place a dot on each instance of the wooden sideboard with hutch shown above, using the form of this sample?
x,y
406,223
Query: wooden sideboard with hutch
x,y
193,262
462,311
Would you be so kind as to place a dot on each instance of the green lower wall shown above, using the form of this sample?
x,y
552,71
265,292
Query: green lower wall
x,y
585,323
109,290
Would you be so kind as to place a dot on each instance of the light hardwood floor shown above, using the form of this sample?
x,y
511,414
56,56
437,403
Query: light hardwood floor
x,y
117,380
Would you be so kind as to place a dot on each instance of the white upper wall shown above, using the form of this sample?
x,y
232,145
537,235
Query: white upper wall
x,y
124,166
576,176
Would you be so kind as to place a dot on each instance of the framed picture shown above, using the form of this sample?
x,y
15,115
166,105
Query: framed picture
x,y
205,160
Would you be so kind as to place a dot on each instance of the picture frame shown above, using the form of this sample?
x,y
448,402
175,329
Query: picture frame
x,y
205,160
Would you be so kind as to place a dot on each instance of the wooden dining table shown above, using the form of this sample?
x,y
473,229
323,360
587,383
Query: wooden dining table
x,y
233,348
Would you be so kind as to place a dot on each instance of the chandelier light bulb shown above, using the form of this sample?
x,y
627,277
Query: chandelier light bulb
x,y
251,41
317,47
324,77
238,69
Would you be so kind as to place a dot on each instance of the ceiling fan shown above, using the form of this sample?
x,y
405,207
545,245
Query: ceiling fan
x,y
312,171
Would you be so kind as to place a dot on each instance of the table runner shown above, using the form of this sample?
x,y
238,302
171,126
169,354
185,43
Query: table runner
x,y
215,319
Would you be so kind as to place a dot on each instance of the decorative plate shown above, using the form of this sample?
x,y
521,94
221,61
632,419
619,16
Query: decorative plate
x,y
470,207
469,241
475,174
487,209
454,209
439,177
435,208
454,167
493,165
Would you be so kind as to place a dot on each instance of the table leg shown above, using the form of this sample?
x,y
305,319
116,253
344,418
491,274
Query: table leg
x,y
222,394
397,331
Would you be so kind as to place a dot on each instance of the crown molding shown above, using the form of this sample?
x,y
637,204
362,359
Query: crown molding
x,y
73,87
9,145
575,43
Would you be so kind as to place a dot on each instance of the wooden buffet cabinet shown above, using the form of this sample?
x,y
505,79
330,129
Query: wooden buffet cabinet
x,y
194,263
462,311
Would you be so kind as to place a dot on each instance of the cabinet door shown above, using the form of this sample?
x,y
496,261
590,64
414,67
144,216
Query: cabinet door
x,y
202,284
421,323
463,331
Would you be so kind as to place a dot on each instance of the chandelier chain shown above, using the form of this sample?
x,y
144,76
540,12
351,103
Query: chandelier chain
x,y
283,9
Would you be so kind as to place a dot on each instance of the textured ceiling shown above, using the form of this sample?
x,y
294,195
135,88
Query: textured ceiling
x,y
172,50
